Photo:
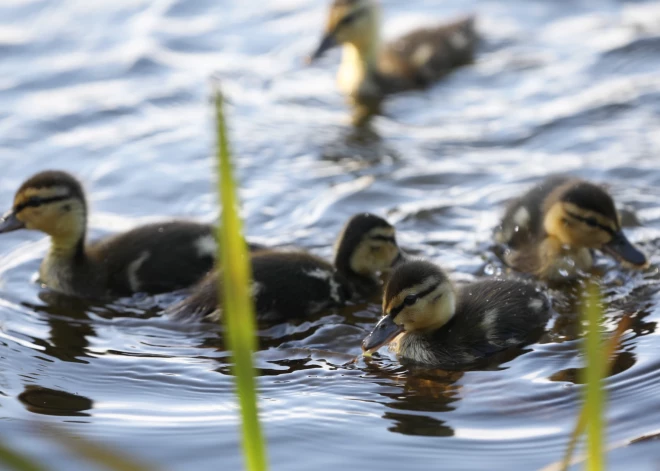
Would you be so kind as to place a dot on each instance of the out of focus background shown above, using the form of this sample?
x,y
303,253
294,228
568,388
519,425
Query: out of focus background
x,y
117,93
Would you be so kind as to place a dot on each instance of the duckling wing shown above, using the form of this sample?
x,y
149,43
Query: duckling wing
x,y
156,258
523,219
294,284
495,314
426,55
285,285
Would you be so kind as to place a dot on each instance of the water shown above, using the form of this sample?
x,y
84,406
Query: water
x,y
117,91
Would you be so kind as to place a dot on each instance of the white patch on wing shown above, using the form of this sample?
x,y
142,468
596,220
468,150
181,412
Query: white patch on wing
x,y
329,278
536,304
215,316
521,217
256,288
206,246
458,39
319,273
422,55
334,290
489,322
133,267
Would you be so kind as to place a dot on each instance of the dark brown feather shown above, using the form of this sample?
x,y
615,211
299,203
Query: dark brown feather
x,y
398,68
286,285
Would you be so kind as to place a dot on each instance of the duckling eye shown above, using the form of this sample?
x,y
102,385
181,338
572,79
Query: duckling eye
x,y
410,300
591,222
348,19
374,248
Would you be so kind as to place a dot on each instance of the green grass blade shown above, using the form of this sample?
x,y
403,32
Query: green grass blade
x,y
610,357
17,461
595,370
238,307
99,454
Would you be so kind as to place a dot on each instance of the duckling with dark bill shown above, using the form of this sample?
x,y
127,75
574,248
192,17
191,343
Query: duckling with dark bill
x,y
369,71
440,326
152,258
552,229
297,284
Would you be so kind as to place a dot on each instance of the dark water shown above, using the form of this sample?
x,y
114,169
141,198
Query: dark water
x,y
116,91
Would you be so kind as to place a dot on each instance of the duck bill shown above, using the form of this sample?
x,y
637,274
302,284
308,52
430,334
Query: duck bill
x,y
10,222
328,42
383,333
621,248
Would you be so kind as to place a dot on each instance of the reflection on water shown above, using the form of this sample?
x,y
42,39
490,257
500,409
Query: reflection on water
x,y
116,92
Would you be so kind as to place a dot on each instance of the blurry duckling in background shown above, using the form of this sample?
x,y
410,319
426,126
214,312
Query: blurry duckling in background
x,y
297,284
553,228
370,71
152,258
450,328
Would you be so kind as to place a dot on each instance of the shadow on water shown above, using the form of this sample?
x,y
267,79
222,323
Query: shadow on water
x,y
48,401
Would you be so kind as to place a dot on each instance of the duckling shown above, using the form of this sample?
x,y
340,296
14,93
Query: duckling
x,y
445,327
369,71
553,228
297,284
152,258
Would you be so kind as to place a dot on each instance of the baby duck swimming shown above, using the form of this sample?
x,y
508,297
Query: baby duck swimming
x,y
152,258
445,327
369,71
297,284
552,229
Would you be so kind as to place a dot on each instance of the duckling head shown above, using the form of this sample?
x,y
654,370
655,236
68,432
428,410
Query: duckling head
x,y
366,246
52,202
583,215
418,298
350,22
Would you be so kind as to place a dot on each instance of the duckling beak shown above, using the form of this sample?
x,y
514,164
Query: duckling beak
x,y
327,43
10,222
383,333
621,248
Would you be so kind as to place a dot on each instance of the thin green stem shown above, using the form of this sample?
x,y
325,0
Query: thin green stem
x,y
17,461
594,372
237,307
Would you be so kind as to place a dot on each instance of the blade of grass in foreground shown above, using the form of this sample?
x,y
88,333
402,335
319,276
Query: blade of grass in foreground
x,y
594,401
610,356
17,461
98,453
238,308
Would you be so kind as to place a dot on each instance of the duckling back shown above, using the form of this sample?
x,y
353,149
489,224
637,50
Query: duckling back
x,y
491,316
285,285
155,258
426,55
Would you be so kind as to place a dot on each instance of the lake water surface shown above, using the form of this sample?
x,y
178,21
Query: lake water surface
x,y
117,92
